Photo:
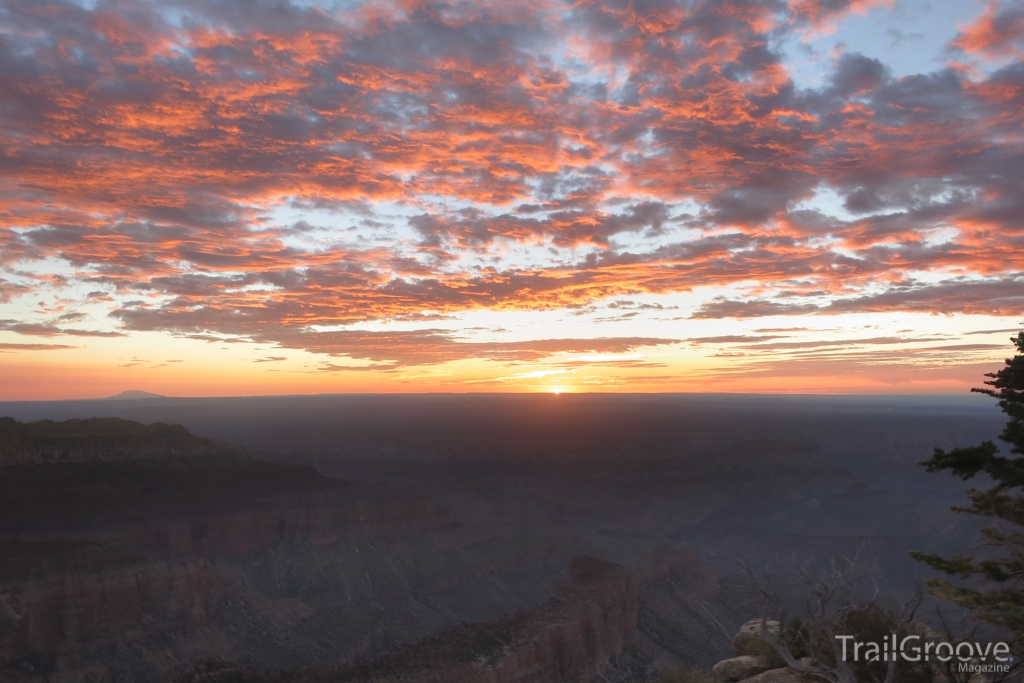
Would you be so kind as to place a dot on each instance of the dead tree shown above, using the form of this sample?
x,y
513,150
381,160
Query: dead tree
x,y
808,642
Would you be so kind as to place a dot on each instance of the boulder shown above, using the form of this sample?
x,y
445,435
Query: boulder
x,y
740,668
785,675
751,631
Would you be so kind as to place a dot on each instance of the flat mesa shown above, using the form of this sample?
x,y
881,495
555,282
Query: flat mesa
x,y
133,394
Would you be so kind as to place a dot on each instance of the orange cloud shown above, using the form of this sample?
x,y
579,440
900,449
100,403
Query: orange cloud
x,y
530,156
995,34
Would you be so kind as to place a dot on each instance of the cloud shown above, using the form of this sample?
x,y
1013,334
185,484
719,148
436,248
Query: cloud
x,y
511,156
8,290
6,347
996,297
48,330
1010,329
998,32
875,366
732,339
634,306
755,308
845,343
431,347
823,15
1003,297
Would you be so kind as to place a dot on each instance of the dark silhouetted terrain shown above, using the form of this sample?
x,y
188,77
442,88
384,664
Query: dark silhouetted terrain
x,y
442,537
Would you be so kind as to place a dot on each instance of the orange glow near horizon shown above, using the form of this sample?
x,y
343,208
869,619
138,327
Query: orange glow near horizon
x,y
203,369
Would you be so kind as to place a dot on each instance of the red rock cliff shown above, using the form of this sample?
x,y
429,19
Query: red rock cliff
x,y
103,599
568,639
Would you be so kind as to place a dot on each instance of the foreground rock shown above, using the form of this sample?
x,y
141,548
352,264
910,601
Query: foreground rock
x,y
785,675
739,668
750,665
751,632
748,668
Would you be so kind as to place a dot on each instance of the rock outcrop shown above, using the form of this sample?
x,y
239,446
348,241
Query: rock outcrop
x,y
98,439
167,581
750,633
751,665
747,668
740,668
568,639
784,675
110,601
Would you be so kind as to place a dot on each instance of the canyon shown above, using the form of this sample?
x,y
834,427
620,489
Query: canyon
x,y
113,532
311,537
128,553
571,637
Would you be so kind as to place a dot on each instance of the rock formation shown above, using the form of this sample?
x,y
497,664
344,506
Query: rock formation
x,y
740,667
98,439
750,633
568,639
128,556
112,531
750,665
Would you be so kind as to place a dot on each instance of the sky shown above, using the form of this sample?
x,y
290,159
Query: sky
x,y
218,197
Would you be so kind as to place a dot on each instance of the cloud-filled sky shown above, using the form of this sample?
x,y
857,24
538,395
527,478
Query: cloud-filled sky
x,y
213,197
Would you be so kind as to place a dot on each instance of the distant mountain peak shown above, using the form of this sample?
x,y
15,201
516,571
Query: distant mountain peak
x,y
134,394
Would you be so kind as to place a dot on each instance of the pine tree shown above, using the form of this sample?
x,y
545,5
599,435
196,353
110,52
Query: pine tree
x,y
995,581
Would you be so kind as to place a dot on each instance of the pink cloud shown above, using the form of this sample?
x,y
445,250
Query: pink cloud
x,y
622,148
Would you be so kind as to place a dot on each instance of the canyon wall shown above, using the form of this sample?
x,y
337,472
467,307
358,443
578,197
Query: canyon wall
x,y
585,624
569,638
136,566
67,610
113,532
103,439
62,592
